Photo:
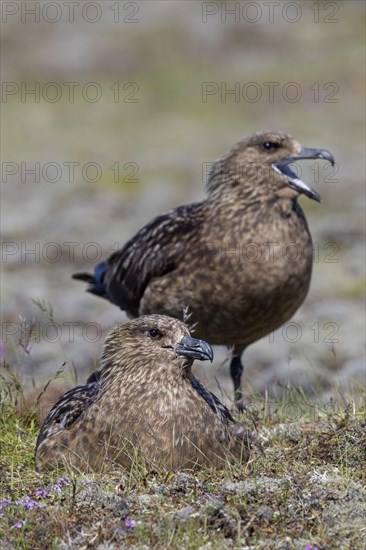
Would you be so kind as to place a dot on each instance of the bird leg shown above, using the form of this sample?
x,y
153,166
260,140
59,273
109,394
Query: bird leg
x,y
236,370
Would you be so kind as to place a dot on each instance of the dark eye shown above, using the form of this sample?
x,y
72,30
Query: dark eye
x,y
268,145
154,333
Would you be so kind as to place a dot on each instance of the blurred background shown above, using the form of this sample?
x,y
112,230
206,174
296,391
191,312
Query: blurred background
x,y
111,112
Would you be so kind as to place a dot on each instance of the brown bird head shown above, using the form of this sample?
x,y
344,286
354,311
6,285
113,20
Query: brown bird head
x,y
258,168
151,342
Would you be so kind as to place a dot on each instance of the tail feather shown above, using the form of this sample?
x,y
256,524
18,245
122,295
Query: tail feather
x,y
86,277
95,281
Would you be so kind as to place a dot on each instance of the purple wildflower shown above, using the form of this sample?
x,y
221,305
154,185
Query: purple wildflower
x,y
27,502
310,547
4,502
130,523
19,524
63,481
43,493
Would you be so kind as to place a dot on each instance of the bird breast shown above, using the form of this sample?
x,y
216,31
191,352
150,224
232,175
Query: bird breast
x,y
259,263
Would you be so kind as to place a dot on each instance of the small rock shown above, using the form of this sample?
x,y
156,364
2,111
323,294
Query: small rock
x,y
265,513
185,513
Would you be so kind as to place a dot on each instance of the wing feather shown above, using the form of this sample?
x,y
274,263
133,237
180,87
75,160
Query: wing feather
x,y
213,401
157,249
69,409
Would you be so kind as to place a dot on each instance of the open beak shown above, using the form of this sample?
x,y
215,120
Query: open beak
x,y
282,167
196,349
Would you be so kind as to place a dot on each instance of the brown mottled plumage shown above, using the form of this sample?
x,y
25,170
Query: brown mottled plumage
x,y
143,400
240,260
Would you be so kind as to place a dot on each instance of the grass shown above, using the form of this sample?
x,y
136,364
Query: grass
x,y
303,487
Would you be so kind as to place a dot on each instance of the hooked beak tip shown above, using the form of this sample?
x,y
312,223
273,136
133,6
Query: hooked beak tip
x,y
194,348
